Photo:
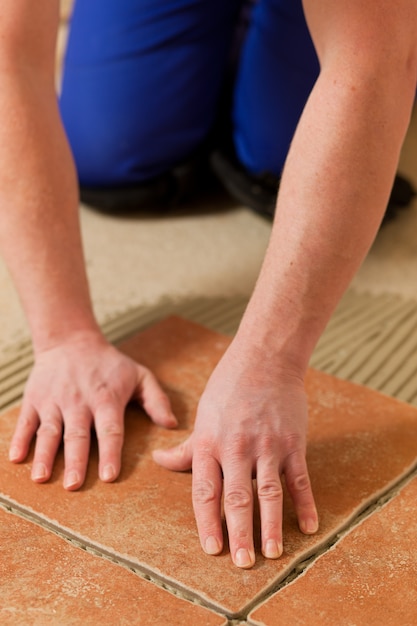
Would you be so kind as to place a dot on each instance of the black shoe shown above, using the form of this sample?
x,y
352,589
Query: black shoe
x,y
162,193
402,194
259,192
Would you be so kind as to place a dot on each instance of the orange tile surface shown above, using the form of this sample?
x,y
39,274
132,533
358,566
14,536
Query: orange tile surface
x,y
44,580
367,579
360,443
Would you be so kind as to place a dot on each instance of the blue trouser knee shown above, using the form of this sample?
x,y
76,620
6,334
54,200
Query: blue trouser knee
x,y
278,68
142,82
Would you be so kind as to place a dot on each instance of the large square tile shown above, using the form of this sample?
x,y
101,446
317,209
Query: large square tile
x,y
44,580
360,444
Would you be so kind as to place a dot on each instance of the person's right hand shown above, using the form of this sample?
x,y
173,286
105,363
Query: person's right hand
x,y
83,382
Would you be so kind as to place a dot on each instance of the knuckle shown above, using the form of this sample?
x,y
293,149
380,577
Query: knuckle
x,y
25,422
267,445
294,443
236,448
204,493
50,428
300,483
242,536
76,434
271,490
204,447
72,397
238,498
111,429
104,395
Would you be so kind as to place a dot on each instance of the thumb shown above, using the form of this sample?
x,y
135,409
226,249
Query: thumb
x,y
178,459
153,399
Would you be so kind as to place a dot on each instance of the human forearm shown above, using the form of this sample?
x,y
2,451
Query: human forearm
x,y
334,189
39,227
78,379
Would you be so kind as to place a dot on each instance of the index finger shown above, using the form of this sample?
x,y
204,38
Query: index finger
x,y
207,492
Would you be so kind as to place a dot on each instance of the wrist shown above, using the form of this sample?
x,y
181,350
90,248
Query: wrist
x,y
282,337
69,328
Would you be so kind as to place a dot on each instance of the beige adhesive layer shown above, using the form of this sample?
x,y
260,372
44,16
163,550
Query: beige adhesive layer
x,y
371,340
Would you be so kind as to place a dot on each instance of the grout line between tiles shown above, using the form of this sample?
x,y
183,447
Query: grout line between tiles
x,y
301,568
77,541
381,353
213,313
380,500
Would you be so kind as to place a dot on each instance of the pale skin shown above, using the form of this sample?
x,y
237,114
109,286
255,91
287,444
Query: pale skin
x,y
78,377
252,417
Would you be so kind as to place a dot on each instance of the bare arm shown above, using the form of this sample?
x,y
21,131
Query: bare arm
x,y
78,378
252,417
340,168
39,229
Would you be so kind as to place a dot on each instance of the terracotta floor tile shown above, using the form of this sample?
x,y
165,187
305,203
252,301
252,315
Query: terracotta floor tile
x,y
368,578
360,442
45,580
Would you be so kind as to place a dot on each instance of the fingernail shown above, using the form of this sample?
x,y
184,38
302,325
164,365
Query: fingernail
x,y
14,454
71,480
171,417
212,545
108,473
39,472
243,558
310,526
272,549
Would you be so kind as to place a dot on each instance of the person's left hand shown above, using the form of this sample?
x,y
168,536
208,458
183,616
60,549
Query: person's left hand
x,y
251,422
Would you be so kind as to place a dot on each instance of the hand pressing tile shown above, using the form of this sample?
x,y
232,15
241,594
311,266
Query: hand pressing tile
x,y
360,443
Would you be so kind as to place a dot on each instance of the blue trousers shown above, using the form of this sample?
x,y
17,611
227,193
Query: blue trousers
x,y
143,81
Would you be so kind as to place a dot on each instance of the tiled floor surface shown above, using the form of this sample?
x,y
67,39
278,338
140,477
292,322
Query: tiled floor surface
x,y
128,553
